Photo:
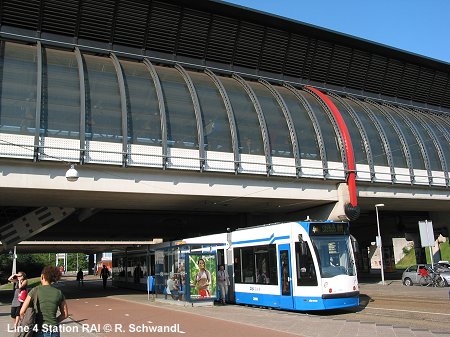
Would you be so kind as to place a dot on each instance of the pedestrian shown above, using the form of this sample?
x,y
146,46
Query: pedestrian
x,y
104,274
20,283
80,278
49,300
223,282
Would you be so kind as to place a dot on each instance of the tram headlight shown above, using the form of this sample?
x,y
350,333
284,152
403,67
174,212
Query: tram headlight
x,y
330,290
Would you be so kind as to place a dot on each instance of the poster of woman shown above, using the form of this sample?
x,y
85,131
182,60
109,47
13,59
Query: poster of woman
x,y
202,276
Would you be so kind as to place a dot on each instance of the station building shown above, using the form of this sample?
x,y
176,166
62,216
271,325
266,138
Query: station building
x,y
210,89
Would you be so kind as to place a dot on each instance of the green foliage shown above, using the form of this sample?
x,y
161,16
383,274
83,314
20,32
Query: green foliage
x,y
407,260
406,250
445,250
32,264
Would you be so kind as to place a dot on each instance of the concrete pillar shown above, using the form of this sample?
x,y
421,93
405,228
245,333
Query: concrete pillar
x,y
91,264
418,250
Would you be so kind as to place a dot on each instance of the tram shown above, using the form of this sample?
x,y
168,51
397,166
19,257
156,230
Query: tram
x,y
301,266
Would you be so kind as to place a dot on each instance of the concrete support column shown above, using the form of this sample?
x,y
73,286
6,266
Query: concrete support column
x,y
91,264
418,250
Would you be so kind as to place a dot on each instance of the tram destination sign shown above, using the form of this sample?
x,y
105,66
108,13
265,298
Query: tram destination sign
x,y
328,228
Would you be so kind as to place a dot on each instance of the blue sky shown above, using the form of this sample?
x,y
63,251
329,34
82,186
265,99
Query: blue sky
x,y
417,26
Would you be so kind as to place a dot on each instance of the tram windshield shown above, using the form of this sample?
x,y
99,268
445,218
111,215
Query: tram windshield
x,y
334,255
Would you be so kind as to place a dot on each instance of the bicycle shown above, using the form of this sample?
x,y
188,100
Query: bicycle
x,y
434,280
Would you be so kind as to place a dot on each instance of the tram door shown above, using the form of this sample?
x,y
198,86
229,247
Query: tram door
x,y
286,299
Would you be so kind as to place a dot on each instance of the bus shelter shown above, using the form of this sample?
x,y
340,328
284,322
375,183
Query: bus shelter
x,y
185,272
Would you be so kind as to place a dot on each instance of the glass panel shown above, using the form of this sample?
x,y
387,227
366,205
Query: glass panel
x,y
279,138
393,139
61,95
285,272
237,265
18,72
144,119
103,110
413,145
440,137
376,144
266,264
216,128
248,265
433,156
330,138
334,254
355,135
181,121
306,135
247,123
306,272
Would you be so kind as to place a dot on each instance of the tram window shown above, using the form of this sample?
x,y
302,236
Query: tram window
x,y
237,265
248,265
256,265
306,272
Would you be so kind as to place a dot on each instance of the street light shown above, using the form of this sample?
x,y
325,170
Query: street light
x,y
379,244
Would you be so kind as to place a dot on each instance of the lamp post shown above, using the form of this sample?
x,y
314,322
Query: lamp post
x,y
379,244
14,262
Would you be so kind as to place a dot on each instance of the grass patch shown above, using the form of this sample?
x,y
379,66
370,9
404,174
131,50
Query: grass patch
x,y
410,257
445,251
32,282
407,260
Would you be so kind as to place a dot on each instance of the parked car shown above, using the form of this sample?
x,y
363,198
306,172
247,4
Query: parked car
x,y
412,274
444,264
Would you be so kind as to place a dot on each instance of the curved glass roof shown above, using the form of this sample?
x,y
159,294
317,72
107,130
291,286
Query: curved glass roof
x,y
130,102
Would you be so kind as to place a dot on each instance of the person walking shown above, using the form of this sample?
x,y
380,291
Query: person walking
x,y
223,281
20,283
49,300
80,278
104,274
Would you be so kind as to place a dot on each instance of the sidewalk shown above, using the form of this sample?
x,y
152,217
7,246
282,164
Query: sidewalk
x,y
362,323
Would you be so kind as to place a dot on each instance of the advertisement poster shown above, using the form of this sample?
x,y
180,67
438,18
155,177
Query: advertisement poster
x,y
202,276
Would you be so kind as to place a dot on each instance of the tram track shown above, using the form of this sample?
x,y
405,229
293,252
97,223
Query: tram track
x,y
417,313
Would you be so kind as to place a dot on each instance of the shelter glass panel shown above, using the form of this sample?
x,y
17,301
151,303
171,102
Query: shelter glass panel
x,y
103,108
330,138
60,95
392,136
306,135
18,75
216,128
413,145
279,137
144,119
376,144
433,156
355,135
181,121
247,123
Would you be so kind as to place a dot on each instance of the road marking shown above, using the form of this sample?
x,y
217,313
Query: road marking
x,y
110,309
97,305
414,311
127,315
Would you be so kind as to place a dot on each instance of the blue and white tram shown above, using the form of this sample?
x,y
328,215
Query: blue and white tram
x,y
296,265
